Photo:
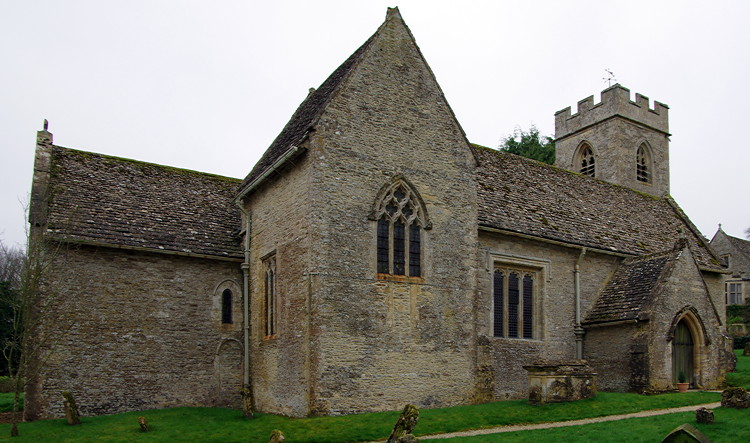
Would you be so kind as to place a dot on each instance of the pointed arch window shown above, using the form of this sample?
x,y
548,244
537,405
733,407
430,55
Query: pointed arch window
x,y
585,160
643,164
401,219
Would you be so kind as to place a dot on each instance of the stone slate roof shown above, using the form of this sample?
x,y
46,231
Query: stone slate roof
x,y
528,197
113,201
305,116
635,282
742,246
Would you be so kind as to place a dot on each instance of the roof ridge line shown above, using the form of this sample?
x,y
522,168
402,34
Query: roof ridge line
x,y
143,162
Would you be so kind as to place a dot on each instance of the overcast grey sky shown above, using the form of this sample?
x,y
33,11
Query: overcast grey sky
x,y
208,85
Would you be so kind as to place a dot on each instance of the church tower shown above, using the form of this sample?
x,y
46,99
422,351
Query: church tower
x,y
617,140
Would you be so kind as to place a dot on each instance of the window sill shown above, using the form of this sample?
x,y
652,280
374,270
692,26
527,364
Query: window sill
x,y
517,339
400,278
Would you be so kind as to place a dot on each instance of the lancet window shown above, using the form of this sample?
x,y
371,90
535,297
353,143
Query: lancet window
x,y
643,164
401,220
513,303
270,302
226,306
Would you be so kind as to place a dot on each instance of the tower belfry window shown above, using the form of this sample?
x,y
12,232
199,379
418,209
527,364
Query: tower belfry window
x,y
642,165
586,161
401,218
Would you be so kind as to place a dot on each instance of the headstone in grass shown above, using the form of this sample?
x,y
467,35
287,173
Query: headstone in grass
x,y
737,398
686,433
247,402
71,410
405,424
704,416
276,436
746,352
143,423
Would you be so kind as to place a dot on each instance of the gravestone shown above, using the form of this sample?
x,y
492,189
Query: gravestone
x,y
686,433
71,410
402,430
704,416
737,398
276,436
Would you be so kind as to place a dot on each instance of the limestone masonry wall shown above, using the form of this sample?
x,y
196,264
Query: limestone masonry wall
x,y
554,340
279,213
135,331
381,342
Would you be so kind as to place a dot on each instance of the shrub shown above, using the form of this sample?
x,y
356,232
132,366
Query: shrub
x,y
740,342
6,384
739,311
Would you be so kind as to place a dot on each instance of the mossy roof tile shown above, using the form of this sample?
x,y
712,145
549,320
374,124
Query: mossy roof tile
x,y
109,200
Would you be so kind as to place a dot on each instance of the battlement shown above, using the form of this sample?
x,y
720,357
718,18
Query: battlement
x,y
615,101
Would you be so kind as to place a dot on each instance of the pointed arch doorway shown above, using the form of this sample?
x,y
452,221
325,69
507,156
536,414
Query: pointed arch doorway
x,y
683,354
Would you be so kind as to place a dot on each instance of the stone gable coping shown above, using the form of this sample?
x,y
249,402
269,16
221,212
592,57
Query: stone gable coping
x,y
528,197
309,111
104,200
304,118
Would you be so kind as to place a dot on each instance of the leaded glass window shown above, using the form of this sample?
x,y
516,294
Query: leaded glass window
x,y
513,300
400,219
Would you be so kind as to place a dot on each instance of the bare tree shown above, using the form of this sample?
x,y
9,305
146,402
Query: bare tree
x,y
25,343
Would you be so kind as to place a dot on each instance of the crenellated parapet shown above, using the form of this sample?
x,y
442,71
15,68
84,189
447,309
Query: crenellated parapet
x,y
615,101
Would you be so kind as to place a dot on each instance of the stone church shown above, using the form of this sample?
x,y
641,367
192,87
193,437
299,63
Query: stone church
x,y
374,257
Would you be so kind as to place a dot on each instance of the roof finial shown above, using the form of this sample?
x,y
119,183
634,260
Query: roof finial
x,y
719,226
46,124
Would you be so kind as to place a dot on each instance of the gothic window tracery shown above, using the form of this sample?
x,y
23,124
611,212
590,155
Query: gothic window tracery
x,y
401,218
586,161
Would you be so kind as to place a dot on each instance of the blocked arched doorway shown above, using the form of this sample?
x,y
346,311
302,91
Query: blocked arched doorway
x,y
683,354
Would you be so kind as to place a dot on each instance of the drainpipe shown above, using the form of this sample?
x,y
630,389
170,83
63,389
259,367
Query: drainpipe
x,y
577,329
246,296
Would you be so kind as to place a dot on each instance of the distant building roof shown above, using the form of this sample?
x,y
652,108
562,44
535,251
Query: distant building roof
x,y
532,198
113,201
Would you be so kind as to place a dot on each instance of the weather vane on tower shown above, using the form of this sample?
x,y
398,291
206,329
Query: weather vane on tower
x,y
610,77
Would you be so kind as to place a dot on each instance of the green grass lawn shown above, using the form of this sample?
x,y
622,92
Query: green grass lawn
x,y
741,377
227,425
731,426
6,402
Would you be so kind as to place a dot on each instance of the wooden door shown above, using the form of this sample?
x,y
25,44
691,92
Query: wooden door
x,y
682,353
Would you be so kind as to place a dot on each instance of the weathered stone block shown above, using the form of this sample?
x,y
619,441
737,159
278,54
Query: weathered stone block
x,y
561,381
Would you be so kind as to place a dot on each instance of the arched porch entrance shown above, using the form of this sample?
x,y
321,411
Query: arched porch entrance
x,y
689,341
683,354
